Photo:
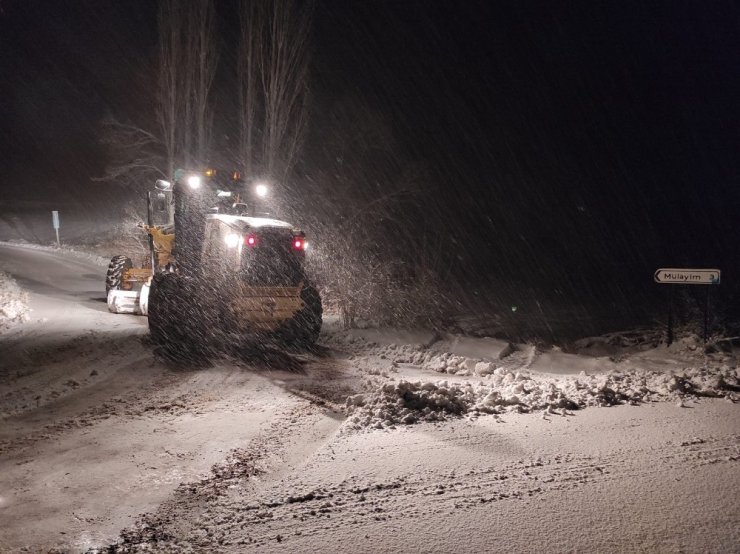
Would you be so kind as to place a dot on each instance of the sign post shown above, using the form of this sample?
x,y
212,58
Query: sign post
x,y
55,222
670,316
677,276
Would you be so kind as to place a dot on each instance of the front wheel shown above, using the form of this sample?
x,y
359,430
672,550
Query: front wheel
x,y
178,324
116,268
162,309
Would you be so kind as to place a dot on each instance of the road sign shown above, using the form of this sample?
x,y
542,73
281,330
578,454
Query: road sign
x,y
55,223
676,276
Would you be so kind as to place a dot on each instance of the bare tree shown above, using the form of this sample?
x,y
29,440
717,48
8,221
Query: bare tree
x,y
204,52
250,44
273,70
187,66
136,154
178,131
169,101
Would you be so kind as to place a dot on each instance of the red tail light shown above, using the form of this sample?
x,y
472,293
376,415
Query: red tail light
x,y
250,240
299,243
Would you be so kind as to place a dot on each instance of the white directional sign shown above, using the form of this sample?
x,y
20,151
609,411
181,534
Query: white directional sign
x,y
684,276
55,223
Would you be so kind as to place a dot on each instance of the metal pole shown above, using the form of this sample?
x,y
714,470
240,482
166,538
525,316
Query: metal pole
x,y
706,315
670,315
58,243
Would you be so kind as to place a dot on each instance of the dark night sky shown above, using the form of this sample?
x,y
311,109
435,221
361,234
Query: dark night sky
x,y
597,138
64,65
589,141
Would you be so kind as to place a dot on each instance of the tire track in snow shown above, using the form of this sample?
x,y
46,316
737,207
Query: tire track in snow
x,y
159,435
45,375
200,514
359,502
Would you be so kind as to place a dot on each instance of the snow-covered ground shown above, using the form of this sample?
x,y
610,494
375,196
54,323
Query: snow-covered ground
x,y
13,302
488,376
383,441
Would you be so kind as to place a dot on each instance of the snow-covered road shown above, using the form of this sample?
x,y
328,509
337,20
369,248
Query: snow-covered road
x,y
97,431
102,444
63,284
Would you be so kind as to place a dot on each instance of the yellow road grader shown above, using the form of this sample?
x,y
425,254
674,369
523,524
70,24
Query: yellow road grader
x,y
219,274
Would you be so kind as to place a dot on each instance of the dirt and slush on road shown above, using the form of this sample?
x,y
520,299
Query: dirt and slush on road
x,y
379,441
98,447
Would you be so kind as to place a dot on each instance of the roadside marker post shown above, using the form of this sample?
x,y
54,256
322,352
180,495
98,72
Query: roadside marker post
x,y
670,316
683,276
55,222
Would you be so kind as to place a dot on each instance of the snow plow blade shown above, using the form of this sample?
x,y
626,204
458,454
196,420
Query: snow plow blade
x,y
123,302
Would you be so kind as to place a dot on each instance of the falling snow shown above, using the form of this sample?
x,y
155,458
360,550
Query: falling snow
x,y
487,191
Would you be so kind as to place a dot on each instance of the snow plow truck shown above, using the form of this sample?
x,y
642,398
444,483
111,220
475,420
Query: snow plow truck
x,y
218,274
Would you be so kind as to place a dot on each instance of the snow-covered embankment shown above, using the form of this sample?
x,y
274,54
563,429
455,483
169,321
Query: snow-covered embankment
x,y
13,302
409,387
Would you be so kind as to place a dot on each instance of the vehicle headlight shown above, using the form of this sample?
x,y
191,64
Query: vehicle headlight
x,y
261,190
232,240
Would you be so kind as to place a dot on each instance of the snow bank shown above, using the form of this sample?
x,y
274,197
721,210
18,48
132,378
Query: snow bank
x,y
443,362
488,376
555,361
373,337
484,348
407,403
464,356
505,391
13,302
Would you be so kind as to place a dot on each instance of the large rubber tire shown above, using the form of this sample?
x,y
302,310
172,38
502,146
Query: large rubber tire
x,y
164,296
304,328
176,322
114,277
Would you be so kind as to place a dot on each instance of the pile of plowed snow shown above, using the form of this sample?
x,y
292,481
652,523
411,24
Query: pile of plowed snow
x,y
446,362
407,402
13,302
489,376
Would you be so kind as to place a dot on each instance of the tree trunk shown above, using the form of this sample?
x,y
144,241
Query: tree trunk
x,y
273,78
